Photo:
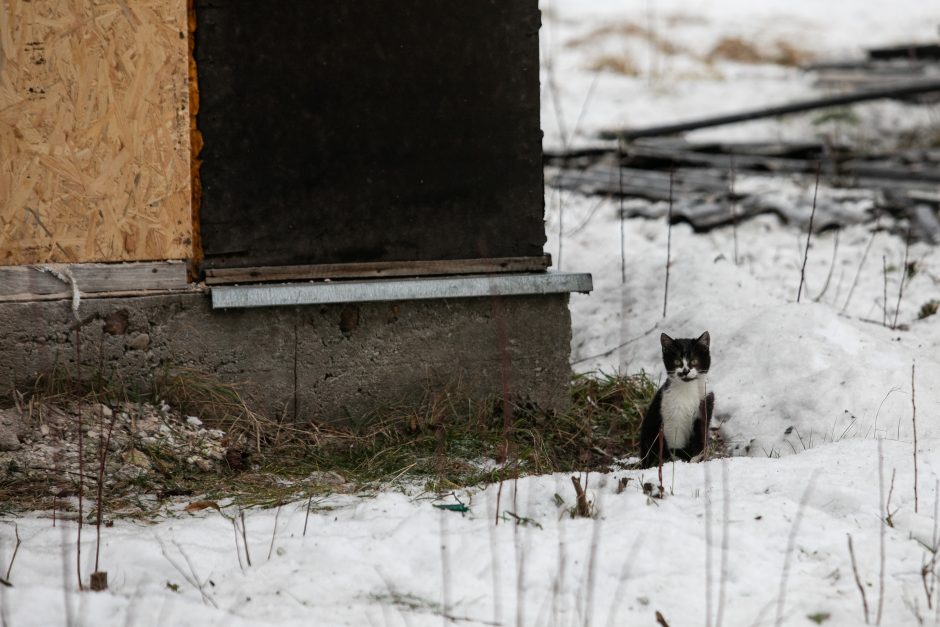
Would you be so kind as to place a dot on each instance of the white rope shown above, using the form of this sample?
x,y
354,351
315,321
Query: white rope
x,y
64,274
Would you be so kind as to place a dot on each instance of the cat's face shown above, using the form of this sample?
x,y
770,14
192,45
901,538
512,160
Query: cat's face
x,y
686,359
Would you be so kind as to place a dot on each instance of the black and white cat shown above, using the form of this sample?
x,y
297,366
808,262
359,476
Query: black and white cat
x,y
677,408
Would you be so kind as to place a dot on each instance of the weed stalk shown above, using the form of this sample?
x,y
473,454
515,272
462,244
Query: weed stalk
x,y
809,233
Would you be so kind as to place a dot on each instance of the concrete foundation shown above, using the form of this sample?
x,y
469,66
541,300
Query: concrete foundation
x,y
334,363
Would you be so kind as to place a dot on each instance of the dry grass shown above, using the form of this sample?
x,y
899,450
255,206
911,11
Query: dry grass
x,y
625,30
443,442
742,51
221,406
616,64
928,309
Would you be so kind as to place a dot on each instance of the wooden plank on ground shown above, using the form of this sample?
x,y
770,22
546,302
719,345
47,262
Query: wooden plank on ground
x,y
378,269
94,131
42,283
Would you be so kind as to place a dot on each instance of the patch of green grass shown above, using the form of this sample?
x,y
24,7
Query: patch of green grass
x,y
444,445
836,114
449,448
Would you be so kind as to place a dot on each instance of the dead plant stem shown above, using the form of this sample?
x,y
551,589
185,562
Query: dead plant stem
x,y
81,458
858,580
903,273
734,215
672,173
809,234
6,579
623,256
245,538
884,522
861,263
884,297
791,544
914,423
725,529
277,515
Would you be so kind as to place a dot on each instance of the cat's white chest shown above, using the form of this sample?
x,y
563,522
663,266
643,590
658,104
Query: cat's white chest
x,y
680,409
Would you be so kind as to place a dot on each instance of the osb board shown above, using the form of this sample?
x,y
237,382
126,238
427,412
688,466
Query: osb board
x,y
94,131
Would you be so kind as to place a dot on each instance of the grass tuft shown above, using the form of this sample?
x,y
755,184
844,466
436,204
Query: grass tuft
x,y
928,309
444,442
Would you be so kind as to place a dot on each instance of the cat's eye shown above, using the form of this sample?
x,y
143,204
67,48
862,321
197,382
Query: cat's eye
x,y
694,362
677,362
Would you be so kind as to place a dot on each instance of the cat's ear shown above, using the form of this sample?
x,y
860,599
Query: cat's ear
x,y
704,339
666,341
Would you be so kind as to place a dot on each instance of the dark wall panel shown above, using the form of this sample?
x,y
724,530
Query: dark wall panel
x,y
368,130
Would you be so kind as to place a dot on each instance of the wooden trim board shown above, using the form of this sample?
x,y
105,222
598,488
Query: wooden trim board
x,y
19,283
377,269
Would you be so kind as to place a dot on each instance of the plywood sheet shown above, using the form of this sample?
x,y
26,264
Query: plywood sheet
x,y
94,131
341,131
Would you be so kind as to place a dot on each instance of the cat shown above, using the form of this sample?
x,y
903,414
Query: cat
x,y
678,405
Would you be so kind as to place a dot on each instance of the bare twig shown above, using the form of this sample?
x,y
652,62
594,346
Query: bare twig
x,y
887,513
277,514
238,551
861,263
809,233
708,546
858,580
884,522
561,227
81,457
621,584
914,421
705,423
592,561
734,214
934,550
504,453
884,297
903,272
725,527
445,567
661,438
245,538
791,542
307,515
672,174
104,442
611,351
192,577
832,265
623,256
6,581
520,562
495,561
499,496
583,508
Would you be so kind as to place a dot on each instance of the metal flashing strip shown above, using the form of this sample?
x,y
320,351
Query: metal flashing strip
x,y
333,292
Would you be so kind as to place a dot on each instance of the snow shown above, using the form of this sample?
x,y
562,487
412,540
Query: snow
x,y
807,394
393,559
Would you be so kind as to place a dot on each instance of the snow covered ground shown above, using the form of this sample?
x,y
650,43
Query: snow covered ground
x,y
754,539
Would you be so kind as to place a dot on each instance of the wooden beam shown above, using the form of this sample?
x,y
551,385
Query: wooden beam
x,y
896,91
377,269
40,282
